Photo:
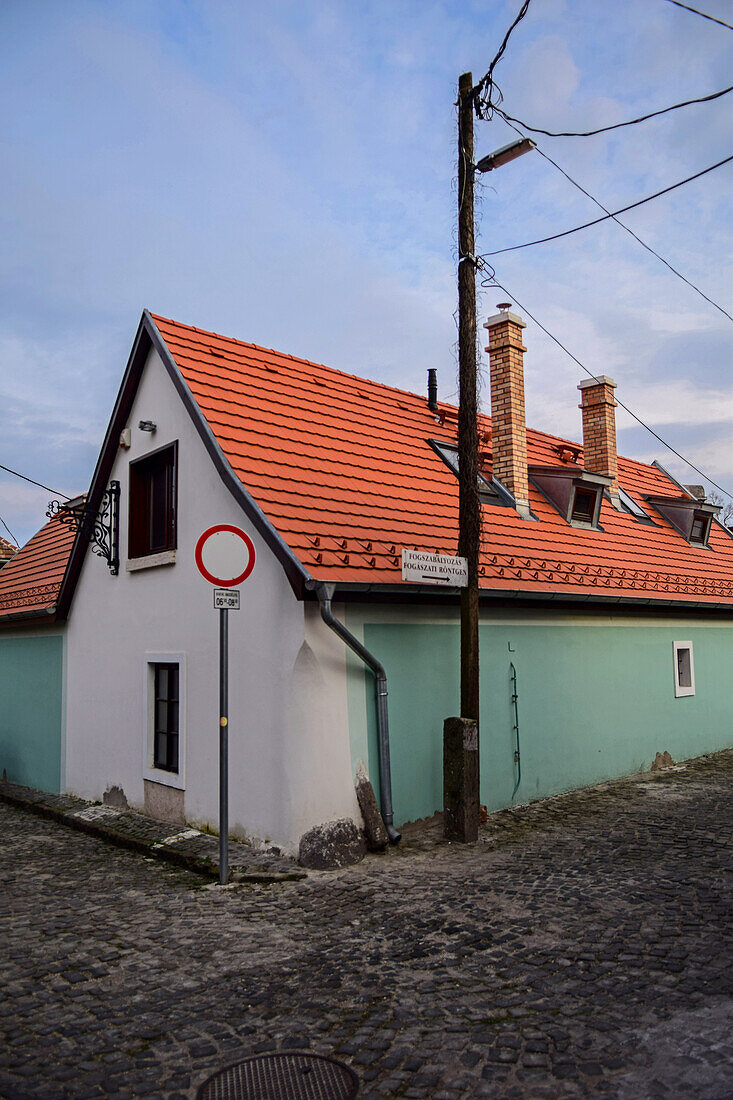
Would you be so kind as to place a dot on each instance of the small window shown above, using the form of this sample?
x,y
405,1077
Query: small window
x,y
700,528
165,720
584,505
450,456
684,669
152,527
630,504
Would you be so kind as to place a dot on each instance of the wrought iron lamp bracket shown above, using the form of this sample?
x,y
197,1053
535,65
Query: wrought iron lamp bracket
x,y
101,527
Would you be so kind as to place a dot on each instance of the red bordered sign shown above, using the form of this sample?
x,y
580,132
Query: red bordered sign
x,y
225,555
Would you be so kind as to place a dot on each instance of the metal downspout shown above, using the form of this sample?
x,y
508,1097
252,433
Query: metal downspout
x,y
325,595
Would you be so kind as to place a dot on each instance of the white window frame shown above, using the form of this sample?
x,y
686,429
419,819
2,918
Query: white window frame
x,y
159,775
679,689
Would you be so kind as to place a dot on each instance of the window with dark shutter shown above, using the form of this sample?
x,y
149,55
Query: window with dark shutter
x,y
584,505
699,528
152,525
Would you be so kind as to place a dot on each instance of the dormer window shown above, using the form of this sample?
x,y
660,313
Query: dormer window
x,y
584,505
700,529
576,494
692,518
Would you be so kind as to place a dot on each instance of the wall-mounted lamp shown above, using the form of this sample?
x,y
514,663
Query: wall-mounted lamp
x,y
147,425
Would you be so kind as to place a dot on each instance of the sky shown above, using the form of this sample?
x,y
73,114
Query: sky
x,y
284,173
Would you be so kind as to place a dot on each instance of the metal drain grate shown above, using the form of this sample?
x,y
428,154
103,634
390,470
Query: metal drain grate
x,y
294,1076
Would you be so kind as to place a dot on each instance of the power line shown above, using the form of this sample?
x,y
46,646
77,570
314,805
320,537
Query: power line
x,y
624,226
614,213
616,125
712,18
482,92
15,541
493,281
38,483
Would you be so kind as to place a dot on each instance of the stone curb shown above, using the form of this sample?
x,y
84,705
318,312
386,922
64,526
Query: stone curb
x,y
156,847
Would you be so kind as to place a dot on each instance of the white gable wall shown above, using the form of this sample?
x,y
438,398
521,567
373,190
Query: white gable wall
x,y
289,754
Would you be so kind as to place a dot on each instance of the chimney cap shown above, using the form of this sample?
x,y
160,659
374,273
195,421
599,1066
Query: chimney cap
x,y
504,316
599,380
503,305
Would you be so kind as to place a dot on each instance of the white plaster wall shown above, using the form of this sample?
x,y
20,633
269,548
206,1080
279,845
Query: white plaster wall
x,y
288,725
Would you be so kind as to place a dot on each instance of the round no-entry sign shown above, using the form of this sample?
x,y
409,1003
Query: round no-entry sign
x,y
225,555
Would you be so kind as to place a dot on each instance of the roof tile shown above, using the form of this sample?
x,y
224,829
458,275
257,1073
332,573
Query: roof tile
x,y
342,468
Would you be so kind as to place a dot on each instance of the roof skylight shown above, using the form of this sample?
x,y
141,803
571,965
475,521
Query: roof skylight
x,y
630,503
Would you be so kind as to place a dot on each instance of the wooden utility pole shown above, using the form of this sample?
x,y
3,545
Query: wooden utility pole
x,y
460,735
469,507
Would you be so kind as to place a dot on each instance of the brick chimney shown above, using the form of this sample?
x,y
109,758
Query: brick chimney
x,y
599,429
508,426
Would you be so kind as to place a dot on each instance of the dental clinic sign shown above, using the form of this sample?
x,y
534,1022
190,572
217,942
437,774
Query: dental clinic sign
x,y
419,567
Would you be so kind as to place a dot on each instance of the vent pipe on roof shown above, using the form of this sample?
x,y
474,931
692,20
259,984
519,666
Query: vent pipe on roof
x,y
433,390
325,595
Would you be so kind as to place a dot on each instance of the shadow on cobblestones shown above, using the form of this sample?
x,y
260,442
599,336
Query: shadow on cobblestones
x,y
582,948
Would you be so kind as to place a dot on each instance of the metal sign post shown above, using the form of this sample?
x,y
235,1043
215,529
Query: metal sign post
x,y
223,744
225,556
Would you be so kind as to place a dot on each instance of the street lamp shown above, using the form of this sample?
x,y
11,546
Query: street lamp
x,y
462,822
507,152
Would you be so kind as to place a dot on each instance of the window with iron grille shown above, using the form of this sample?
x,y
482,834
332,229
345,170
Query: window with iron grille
x,y
152,525
166,717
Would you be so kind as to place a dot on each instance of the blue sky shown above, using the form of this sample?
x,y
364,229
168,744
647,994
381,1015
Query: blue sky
x,y
285,173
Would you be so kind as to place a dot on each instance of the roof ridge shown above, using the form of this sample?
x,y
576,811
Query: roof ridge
x,y
296,359
367,381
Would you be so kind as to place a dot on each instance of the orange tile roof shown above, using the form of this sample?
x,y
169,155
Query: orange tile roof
x,y
341,467
31,581
7,551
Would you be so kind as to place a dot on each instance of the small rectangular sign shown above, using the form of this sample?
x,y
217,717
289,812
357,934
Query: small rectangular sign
x,y
226,599
420,567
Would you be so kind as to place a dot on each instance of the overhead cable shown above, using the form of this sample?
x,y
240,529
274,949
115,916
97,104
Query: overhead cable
x,y
492,281
712,18
15,541
38,483
615,125
482,102
623,225
612,214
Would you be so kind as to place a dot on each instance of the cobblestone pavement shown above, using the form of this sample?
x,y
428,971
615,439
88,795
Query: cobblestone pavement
x,y
582,948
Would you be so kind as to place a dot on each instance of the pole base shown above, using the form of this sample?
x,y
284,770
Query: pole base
x,y
460,780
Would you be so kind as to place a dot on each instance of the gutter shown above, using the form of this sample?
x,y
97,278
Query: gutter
x,y
325,594
488,597
15,617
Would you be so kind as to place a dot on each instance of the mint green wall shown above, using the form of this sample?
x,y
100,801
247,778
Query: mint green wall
x,y
31,710
596,700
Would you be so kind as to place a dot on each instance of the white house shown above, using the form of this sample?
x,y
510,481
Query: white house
x,y
606,595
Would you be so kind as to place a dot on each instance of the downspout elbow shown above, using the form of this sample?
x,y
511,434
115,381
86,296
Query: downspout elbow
x,y
325,594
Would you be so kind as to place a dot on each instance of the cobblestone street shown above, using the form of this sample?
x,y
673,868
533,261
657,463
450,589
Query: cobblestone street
x,y
582,948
